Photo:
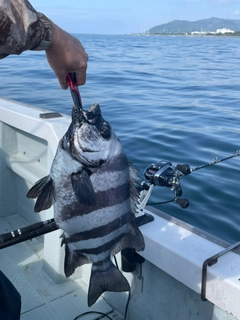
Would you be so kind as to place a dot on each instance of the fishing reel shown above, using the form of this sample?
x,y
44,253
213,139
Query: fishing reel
x,y
160,173
163,174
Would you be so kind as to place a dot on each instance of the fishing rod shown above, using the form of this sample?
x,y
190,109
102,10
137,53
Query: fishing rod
x,y
184,168
27,233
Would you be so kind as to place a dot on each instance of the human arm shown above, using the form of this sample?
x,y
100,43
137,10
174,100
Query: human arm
x,y
23,28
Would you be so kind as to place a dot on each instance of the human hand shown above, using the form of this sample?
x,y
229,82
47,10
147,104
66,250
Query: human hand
x,y
66,54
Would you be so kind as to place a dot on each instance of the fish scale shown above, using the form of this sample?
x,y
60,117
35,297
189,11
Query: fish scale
x,y
92,188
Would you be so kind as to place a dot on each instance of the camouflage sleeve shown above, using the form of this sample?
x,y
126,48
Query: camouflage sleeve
x,y
22,28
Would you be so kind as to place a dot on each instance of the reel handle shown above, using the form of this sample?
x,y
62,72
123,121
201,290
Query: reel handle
x,y
184,203
184,168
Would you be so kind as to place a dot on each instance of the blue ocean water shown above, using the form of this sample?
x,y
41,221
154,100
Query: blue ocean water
x,y
173,98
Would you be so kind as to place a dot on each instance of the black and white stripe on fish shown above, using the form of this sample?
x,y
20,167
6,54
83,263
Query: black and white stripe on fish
x,y
98,231
99,218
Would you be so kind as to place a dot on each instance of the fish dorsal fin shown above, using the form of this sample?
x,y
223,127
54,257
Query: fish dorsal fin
x,y
46,197
83,188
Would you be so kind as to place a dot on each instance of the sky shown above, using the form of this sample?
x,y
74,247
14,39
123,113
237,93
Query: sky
x,y
130,16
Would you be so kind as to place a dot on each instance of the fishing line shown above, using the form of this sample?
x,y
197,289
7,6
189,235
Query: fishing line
x,y
129,293
104,314
93,312
126,309
115,260
162,202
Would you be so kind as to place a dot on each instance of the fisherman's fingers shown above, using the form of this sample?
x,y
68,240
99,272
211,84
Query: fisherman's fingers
x,y
75,60
62,72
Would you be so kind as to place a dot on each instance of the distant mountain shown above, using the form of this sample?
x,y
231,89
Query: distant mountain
x,y
205,25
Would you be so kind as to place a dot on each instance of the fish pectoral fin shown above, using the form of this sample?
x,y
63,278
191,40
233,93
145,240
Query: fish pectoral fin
x,y
133,239
37,188
83,188
110,279
73,259
46,197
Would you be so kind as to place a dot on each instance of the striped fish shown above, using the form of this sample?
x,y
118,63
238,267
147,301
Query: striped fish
x,y
92,188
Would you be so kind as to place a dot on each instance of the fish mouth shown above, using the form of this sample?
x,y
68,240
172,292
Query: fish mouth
x,y
92,117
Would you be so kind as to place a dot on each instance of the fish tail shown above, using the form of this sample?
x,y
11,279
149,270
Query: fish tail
x,y
110,279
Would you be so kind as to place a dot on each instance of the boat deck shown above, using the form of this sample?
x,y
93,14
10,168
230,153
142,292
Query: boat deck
x,y
41,297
